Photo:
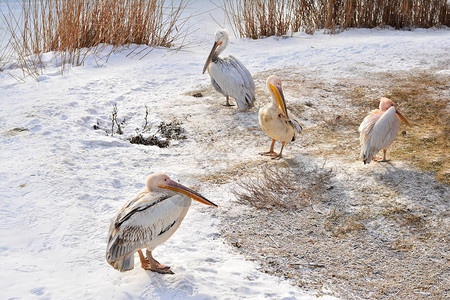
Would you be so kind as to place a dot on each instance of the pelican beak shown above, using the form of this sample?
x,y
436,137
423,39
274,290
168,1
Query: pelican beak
x,y
175,186
402,118
280,98
210,56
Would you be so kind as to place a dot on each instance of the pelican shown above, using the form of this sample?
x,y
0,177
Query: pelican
x,y
148,220
228,75
275,120
379,129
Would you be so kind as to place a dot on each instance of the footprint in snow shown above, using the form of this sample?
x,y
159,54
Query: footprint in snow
x,y
117,184
39,291
36,128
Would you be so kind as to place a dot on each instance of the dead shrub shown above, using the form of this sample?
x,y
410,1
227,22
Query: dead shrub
x,y
115,122
283,187
165,133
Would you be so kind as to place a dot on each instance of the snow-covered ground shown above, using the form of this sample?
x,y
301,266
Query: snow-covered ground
x,y
62,181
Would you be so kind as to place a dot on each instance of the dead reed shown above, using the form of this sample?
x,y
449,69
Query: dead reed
x,y
283,187
76,29
259,18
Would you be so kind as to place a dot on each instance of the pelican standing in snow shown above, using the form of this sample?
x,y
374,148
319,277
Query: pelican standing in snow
x,y
148,220
275,120
379,129
228,75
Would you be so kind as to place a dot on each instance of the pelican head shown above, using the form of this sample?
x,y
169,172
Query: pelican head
x,y
386,103
274,85
221,39
161,182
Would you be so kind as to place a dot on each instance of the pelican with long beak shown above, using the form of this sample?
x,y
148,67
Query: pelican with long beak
x,y
148,220
228,75
379,129
275,120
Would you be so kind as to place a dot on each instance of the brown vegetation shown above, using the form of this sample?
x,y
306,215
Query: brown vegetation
x,y
377,231
75,29
259,18
277,186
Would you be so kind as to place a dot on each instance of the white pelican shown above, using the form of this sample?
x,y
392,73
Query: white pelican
x,y
148,220
379,129
228,74
275,120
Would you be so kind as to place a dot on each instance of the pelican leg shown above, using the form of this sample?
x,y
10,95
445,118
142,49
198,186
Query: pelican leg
x,y
228,102
270,152
384,155
152,264
277,157
379,159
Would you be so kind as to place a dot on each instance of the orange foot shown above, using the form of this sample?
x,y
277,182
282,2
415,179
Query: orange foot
x,y
152,264
268,153
379,159
276,156
158,268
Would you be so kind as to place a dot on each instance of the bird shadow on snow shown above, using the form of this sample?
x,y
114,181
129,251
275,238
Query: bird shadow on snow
x,y
419,188
175,286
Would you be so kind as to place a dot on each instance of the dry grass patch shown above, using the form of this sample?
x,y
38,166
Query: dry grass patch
x,y
279,186
424,99
341,224
232,172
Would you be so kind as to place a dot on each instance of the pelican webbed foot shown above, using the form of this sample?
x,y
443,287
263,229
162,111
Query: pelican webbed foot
x,y
268,153
276,156
152,264
379,159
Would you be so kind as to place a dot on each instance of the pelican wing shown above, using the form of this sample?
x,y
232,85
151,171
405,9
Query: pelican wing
x,y
231,78
292,121
139,222
378,131
295,123
245,74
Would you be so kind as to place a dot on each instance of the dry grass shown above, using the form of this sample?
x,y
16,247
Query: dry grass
x,y
393,254
278,186
260,18
377,232
424,102
76,29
